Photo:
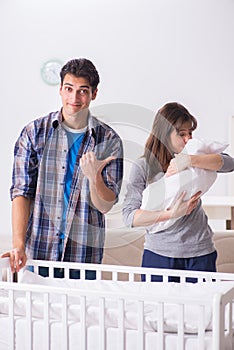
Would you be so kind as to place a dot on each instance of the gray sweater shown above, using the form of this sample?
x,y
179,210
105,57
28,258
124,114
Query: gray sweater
x,y
189,236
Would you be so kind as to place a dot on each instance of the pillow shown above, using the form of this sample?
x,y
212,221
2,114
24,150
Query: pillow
x,y
163,193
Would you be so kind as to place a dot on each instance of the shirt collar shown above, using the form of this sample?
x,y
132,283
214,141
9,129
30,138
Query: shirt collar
x,y
57,121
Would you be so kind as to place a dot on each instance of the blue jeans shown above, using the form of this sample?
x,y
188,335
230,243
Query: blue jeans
x,y
199,263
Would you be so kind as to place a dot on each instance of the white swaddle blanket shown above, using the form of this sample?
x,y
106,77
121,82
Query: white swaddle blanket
x,y
163,193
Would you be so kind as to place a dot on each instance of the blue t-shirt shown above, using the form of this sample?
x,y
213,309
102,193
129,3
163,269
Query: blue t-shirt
x,y
75,139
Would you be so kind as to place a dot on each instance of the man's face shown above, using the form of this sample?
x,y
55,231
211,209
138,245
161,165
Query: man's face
x,y
76,94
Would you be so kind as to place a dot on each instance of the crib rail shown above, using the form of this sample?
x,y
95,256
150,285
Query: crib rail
x,y
113,272
131,273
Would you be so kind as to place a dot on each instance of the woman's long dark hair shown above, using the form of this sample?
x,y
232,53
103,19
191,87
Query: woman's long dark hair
x,y
158,152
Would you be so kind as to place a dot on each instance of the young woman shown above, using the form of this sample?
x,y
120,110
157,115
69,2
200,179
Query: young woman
x,y
187,244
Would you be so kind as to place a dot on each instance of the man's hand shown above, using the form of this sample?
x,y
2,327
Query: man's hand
x,y
91,166
102,196
17,257
179,163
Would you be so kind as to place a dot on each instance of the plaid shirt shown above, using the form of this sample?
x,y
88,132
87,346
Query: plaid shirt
x,y
39,171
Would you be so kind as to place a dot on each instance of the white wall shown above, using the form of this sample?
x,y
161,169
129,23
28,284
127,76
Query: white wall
x,y
148,52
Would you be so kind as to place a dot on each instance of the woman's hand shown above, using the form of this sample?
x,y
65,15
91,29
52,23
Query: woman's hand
x,y
181,207
179,163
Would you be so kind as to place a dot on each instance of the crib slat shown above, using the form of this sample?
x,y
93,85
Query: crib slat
x,y
131,277
66,273
36,269
121,324
160,333
82,274
29,339
218,322
83,332
140,305
99,275
201,327
46,344
200,280
148,277
11,320
51,272
180,336
229,307
114,276
64,321
102,323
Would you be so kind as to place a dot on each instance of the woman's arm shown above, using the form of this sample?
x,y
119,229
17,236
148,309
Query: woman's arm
x,y
203,161
134,216
180,208
207,161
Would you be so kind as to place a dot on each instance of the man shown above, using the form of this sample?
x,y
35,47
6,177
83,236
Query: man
x,y
68,169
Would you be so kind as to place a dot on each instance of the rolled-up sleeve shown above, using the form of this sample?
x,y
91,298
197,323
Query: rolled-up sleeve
x,y
113,172
135,187
24,176
228,163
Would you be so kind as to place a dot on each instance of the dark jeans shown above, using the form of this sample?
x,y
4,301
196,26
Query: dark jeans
x,y
199,263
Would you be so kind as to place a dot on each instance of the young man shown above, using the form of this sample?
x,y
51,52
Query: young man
x,y
68,169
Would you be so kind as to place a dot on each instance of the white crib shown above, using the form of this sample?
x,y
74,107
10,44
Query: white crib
x,y
112,314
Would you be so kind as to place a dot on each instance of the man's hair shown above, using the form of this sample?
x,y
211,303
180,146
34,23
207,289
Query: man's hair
x,y
81,67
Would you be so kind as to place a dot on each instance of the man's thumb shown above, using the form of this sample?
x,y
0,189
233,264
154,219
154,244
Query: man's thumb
x,y
108,160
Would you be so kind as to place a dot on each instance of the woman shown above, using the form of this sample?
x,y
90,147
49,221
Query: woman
x,y
187,244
